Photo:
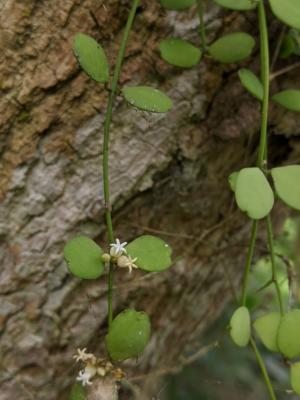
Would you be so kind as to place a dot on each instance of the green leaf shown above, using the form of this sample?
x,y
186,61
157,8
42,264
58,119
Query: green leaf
x,y
266,328
289,99
152,253
91,57
129,335
288,337
147,99
253,193
84,258
232,48
232,180
287,11
240,5
287,47
240,327
251,83
78,392
177,4
295,377
179,52
287,184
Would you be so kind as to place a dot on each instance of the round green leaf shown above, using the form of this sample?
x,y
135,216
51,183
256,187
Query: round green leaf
x,y
288,337
295,377
266,328
232,180
91,57
240,327
128,336
152,253
287,11
232,48
84,258
179,52
147,99
289,99
177,4
251,83
253,193
241,5
287,184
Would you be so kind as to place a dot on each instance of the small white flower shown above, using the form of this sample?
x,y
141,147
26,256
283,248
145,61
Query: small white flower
x,y
118,248
86,375
127,262
82,355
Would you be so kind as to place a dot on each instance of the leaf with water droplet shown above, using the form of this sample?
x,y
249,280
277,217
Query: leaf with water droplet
x,y
91,57
253,193
179,52
240,327
128,335
251,83
266,328
147,98
232,48
84,258
152,253
287,184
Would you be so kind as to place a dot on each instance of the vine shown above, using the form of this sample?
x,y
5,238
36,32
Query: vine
x,y
253,188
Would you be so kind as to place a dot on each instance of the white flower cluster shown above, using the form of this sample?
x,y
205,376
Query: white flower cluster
x,y
119,256
93,366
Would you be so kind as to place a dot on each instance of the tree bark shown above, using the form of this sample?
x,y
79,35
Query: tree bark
x,y
168,176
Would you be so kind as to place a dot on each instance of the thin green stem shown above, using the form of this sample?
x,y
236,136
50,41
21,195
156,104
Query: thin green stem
x,y
273,263
200,7
249,261
265,77
263,369
107,122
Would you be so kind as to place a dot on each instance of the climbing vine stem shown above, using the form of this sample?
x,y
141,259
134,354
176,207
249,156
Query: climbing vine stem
x,y
263,369
107,122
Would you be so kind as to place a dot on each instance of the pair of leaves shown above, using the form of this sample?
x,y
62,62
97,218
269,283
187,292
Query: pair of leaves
x,y
254,194
93,61
232,48
84,256
280,334
240,5
289,99
128,335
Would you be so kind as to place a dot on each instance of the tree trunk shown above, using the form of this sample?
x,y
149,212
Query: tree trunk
x,y
168,174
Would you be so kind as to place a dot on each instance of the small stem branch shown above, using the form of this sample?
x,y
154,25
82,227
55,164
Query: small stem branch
x,y
263,369
284,70
107,122
265,76
273,263
277,48
249,261
200,7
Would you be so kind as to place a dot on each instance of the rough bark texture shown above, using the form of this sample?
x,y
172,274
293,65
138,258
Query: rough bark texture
x,y
168,172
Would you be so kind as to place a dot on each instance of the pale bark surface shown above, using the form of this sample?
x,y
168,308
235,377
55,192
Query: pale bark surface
x,y
168,172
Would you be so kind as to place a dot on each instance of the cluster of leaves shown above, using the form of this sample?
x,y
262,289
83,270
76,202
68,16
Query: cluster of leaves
x,y
130,330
